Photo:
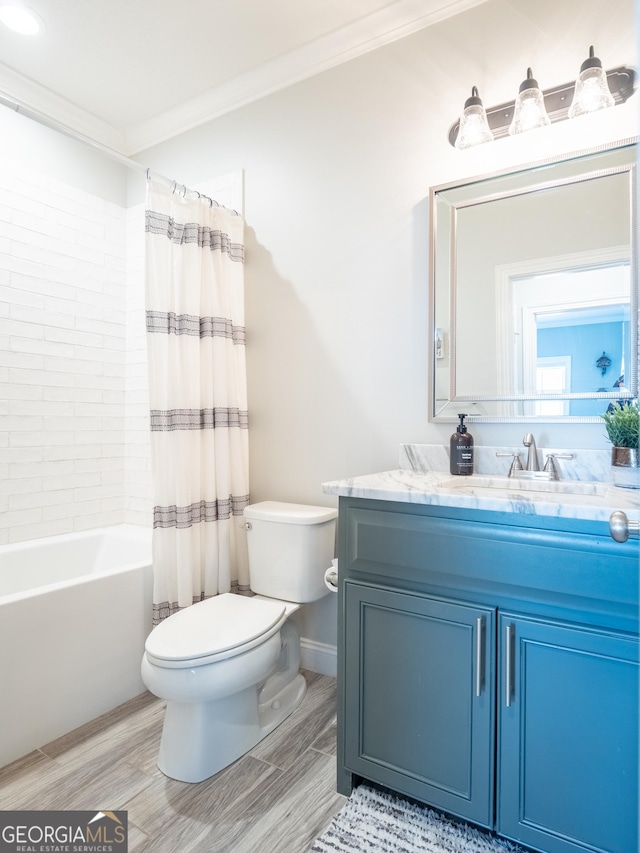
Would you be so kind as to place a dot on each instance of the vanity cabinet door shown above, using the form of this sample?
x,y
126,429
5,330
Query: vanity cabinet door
x,y
419,688
568,737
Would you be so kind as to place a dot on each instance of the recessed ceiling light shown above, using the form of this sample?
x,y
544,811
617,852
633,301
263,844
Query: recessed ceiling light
x,y
21,19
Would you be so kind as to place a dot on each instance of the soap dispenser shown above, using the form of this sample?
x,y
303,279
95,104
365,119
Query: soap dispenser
x,y
461,450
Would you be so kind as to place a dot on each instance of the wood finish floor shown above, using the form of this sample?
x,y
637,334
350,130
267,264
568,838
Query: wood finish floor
x,y
278,797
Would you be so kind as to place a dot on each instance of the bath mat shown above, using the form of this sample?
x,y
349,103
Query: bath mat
x,y
376,822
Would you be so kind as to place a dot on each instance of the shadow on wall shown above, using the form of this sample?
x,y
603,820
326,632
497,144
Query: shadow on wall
x,y
302,405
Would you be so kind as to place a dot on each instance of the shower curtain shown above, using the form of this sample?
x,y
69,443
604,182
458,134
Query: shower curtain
x,y
194,272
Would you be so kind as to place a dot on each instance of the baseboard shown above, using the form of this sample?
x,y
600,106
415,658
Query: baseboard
x,y
318,657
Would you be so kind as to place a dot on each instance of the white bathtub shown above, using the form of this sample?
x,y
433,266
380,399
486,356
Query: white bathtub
x,y
75,611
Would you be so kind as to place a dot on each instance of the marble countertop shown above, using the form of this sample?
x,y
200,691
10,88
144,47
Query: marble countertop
x,y
563,499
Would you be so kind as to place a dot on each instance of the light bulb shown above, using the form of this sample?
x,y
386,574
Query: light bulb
x,y
592,90
474,127
530,111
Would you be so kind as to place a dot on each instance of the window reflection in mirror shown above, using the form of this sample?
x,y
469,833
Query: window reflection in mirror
x,y
573,332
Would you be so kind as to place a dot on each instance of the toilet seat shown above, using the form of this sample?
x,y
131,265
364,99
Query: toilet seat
x,y
220,627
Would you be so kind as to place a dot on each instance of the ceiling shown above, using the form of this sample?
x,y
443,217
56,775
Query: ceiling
x,y
131,73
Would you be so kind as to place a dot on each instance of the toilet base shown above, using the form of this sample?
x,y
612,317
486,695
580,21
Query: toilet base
x,y
192,760
200,739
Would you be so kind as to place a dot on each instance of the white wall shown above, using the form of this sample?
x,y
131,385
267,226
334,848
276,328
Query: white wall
x,y
72,455
337,175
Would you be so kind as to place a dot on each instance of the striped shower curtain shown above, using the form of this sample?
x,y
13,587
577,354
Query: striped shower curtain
x,y
194,269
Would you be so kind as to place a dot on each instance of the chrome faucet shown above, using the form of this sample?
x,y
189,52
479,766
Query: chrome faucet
x,y
531,471
532,457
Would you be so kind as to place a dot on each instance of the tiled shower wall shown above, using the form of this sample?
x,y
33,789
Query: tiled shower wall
x,y
137,447
74,450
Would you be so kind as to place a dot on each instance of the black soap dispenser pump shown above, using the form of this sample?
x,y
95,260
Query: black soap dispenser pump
x,y
461,450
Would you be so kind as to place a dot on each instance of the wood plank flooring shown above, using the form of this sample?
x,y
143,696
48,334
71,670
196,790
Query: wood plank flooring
x,y
279,797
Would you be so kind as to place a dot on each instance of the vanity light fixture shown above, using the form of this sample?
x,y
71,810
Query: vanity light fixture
x,y
474,129
20,19
592,92
558,101
529,111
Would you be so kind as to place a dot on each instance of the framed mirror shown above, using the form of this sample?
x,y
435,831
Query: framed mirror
x,y
534,291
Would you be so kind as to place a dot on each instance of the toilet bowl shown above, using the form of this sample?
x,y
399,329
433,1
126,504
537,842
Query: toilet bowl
x,y
228,667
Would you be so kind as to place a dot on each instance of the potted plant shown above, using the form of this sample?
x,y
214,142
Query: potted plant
x,y
621,423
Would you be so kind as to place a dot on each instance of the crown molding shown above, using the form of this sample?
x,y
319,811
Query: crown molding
x,y
400,19
373,31
42,101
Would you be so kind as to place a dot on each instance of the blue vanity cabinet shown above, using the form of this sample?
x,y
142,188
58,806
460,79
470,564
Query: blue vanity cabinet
x,y
420,715
568,737
488,667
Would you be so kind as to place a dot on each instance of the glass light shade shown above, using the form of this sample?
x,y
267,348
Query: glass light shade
x,y
474,127
592,90
529,111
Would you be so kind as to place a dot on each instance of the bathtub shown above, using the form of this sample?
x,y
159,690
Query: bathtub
x,y
75,611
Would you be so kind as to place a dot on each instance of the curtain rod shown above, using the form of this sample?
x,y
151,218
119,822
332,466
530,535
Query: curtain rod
x,y
122,159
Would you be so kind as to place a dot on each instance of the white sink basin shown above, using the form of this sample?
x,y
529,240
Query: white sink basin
x,y
516,484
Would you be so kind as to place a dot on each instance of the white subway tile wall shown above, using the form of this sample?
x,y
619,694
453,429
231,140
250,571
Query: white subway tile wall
x,y
138,503
74,439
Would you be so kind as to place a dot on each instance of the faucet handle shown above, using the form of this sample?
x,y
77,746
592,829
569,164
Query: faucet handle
x,y
516,464
550,465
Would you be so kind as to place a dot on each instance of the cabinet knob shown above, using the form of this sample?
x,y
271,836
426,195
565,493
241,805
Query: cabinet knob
x,y
621,528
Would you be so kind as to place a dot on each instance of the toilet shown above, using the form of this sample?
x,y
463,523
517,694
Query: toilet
x,y
228,667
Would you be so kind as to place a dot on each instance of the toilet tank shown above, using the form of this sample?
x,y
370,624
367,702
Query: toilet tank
x,y
290,548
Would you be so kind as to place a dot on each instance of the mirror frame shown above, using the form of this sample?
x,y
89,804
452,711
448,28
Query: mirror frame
x,y
479,190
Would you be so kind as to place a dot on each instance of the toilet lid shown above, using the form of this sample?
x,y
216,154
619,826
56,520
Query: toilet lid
x,y
212,627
